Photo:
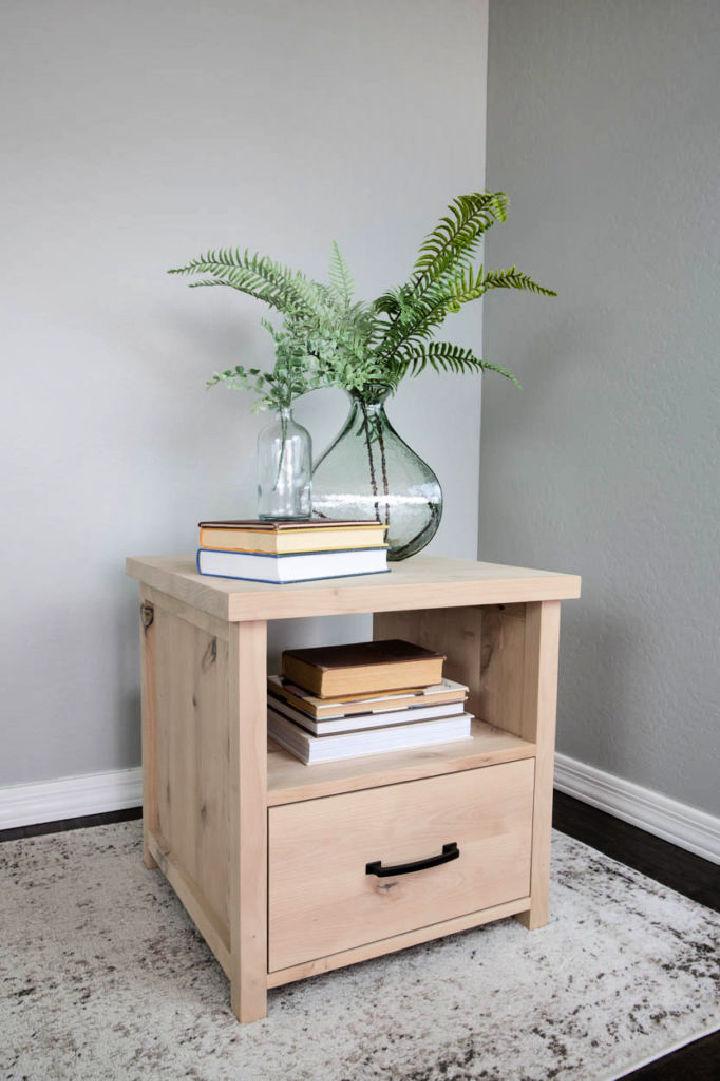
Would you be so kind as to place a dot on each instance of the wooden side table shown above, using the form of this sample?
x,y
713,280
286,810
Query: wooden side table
x,y
274,860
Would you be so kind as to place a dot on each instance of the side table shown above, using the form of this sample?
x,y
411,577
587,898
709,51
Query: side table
x,y
272,859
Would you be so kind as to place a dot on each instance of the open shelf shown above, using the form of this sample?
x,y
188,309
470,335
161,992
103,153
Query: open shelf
x,y
290,781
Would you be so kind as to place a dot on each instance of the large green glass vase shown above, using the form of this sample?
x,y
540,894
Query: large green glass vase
x,y
368,471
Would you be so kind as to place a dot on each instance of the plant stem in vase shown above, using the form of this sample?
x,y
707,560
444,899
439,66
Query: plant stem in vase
x,y
284,469
368,471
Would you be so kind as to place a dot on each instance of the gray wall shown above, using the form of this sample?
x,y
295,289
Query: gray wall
x,y
136,135
604,126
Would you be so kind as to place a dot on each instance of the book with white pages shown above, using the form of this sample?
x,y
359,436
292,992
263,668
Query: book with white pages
x,y
297,567
360,722
447,691
315,749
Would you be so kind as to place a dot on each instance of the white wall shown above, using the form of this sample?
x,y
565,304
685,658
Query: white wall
x,y
604,126
136,135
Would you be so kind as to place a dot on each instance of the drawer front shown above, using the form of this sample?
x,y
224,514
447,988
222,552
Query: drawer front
x,y
322,900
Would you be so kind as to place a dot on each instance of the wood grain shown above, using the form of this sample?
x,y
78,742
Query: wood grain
x,y
214,932
320,899
191,753
398,942
210,624
539,702
212,780
248,829
421,583
454,632
502,666
289,781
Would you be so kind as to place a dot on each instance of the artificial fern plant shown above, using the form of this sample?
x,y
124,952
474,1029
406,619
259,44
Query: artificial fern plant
x,y
329,339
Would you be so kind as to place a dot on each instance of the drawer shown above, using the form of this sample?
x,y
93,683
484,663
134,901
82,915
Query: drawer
x,y
322,896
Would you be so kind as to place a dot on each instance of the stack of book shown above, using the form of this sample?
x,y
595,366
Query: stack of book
x,y
340,702
291,551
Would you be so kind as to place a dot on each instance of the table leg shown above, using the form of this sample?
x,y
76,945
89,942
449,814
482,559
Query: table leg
x,y
247,716
542,632
148,725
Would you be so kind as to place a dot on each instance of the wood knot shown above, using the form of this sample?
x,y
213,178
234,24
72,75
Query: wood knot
x,y
147,615
210,654
385,887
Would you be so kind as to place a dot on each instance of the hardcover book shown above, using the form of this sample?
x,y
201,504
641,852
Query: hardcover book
x,y
362,722
362,666
280,538
446,692
313,749
301,567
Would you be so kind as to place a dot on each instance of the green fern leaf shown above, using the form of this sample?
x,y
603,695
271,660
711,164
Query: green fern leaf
x,y
446,357
444,256
512,278
208,283
342,285
457,234
257,276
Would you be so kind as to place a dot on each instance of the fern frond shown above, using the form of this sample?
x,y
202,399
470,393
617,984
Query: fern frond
x,y
512,278
446,357
240,378
388,303
257,276
444,254
342,285
208,283
458,233
415,318
467,285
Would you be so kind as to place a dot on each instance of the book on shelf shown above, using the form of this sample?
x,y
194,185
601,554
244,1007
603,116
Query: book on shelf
x,y
287,538
301,567
372,667
445,692
362,722
312,749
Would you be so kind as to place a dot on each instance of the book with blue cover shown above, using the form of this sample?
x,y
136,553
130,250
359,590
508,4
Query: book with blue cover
x,y
295,567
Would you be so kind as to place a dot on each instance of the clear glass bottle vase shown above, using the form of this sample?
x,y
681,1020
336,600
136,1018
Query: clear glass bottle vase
x,y
284,469
368,471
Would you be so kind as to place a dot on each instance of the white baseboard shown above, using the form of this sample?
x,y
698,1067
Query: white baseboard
x,y
676,822
114,790
70,797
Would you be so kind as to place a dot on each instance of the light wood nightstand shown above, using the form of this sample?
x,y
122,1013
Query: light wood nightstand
x,y
270,857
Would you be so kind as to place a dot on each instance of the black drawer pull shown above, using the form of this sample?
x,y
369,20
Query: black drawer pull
x,y
449,853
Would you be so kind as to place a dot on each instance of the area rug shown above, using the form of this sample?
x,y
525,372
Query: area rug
x,y
103,977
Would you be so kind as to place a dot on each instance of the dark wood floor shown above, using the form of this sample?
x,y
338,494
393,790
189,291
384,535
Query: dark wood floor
x,y
70,824
674,867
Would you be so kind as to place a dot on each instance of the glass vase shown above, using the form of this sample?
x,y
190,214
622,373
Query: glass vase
x,y
284,469
368,471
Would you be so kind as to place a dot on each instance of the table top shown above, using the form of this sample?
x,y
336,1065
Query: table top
x,y
418,583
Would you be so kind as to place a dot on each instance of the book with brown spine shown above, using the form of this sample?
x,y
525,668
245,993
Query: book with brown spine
x,y
372,667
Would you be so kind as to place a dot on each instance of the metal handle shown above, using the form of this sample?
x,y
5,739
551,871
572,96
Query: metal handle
x,y
449,852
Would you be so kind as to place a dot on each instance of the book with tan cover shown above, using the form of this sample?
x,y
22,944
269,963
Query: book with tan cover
x,y
387,665
285,538
440,694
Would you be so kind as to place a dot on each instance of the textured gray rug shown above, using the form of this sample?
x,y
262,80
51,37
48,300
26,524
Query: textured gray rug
x,y
103,977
